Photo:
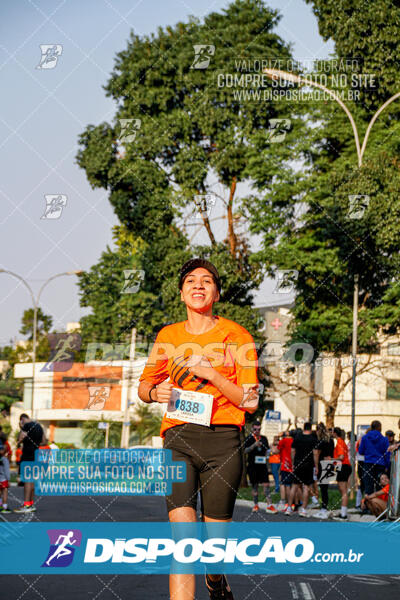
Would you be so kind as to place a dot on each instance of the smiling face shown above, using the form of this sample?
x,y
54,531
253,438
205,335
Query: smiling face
x,y
199,290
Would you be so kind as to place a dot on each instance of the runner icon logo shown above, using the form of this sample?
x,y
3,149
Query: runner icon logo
x,y
62,547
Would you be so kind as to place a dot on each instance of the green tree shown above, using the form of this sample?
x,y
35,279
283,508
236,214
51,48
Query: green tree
x,y
44,323
190,137
307,218
93,437
145,425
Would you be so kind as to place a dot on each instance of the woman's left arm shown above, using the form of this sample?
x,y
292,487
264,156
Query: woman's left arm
x,y
244,396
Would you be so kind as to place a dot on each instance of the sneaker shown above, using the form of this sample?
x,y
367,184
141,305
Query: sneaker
x,y
302,512
4,510
271,509
256,508
281,506
288,511
219,590
341,518
24,509
314,501
322,514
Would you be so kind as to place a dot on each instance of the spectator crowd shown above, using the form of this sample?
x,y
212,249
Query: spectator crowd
x,y
305,464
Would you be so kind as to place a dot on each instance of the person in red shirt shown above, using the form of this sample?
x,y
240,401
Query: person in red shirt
x,y
284,447
341,453
377,502
205,369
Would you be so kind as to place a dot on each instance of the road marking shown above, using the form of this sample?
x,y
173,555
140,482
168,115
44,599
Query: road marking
x,y
302,592
308,594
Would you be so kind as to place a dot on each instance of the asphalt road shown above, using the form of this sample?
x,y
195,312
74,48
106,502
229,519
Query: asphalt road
x,y
149,587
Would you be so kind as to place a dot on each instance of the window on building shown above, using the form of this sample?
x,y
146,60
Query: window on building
x,y
393,349
393,389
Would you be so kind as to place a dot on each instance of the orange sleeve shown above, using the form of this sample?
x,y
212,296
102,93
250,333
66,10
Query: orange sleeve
x,y
338,451
156,368
246,361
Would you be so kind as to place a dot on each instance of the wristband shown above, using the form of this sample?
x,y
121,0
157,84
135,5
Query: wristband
x,y
151,389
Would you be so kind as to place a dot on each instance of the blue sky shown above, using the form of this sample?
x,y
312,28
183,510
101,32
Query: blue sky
x,y
42,113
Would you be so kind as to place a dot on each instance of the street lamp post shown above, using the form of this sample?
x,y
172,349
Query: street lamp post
x,y
277,74
35,302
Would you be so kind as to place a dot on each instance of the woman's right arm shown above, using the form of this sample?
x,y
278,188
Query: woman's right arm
x,y
161,392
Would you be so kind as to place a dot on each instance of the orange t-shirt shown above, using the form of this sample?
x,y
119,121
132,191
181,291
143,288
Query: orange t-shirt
x,y
385,494
341,448
231,351
274,458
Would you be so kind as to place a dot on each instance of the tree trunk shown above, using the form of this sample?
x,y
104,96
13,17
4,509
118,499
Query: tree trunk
x,y
231,232
331,406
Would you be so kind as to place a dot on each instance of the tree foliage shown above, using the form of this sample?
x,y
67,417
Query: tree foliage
x,y
190,137
307,217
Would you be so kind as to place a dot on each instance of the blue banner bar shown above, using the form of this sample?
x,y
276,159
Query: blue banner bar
x,y
240,548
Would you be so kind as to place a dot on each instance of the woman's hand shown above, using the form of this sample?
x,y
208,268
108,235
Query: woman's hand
x,y
201,367
163,392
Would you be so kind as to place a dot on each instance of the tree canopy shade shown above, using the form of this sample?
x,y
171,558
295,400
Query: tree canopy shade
x,y
179,133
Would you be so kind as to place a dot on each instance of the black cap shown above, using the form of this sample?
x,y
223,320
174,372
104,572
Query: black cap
x,y
390,432
195,263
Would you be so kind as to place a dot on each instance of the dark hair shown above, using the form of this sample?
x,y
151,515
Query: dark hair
x,y
256,423
293,433
24,416
390,432
322,433
338,431
307,426
376,425
195,263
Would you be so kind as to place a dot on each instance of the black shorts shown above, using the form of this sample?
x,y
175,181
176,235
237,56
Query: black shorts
x,y
344,473
213,458
286,478
303,474
258,474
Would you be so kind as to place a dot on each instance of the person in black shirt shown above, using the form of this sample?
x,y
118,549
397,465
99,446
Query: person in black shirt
x,y
256,448
31,436
305,464
325,447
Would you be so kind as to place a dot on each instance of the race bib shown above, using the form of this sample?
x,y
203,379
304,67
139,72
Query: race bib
x,y
192,407
260,460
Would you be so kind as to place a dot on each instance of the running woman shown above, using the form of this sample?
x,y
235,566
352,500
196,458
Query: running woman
x,y
206,354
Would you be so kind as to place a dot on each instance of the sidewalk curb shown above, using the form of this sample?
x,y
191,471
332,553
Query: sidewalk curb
x,y
352,518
